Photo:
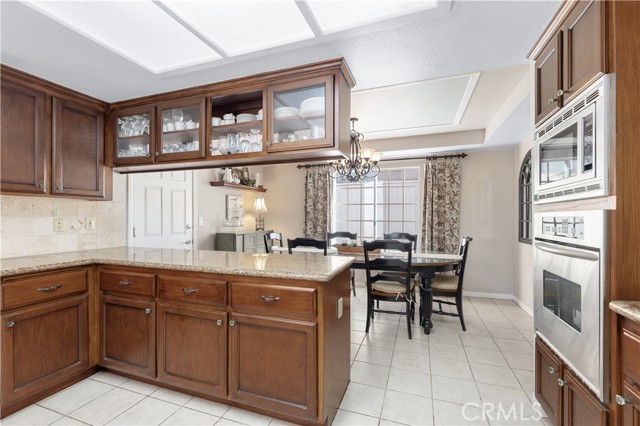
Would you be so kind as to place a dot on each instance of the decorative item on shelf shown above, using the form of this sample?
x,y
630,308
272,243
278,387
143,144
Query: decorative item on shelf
x,y
362,162
228,175
259,208
235,210
258,180
260,261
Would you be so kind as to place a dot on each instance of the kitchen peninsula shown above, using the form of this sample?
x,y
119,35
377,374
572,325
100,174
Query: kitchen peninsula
x,y
266,332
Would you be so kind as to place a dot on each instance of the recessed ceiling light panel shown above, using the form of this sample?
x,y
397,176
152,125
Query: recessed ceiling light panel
x,y
244,26
335,16
137,30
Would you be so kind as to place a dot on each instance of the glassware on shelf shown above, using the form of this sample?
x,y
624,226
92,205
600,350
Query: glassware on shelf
x,y
177,115
244,143
234,144
215,144
224,145
256,140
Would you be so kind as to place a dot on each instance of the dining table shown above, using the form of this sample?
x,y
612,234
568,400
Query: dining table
x,y
427,264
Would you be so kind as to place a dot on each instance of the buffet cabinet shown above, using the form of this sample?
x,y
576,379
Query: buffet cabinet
x,y
572,57
52,140
248,242
283,116
565,399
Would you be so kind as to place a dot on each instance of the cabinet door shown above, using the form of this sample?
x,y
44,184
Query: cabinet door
x,y
583,47
631,408
300,115
192,349
581,407
128,335
180,127
549,78
43,345
24,130
548,392
78,150
273,364
133,133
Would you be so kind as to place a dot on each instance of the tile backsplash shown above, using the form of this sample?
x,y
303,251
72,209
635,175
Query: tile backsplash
x,y
27,225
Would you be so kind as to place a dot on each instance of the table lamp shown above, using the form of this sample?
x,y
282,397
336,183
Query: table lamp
x,y
260,207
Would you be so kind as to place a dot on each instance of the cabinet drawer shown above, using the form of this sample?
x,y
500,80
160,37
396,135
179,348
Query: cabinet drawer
x,y
259,297
193,289
630,343
128,282
25,291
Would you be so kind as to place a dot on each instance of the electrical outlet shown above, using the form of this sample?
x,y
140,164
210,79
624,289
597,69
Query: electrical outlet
x,y
89,223
58,224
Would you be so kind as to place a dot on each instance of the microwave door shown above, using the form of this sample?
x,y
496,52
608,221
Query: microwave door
x,y
558,158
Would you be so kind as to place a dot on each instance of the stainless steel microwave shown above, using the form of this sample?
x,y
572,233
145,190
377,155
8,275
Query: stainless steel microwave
x,y
571,150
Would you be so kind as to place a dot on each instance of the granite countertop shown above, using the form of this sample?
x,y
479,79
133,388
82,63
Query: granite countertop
x,y
303,266
629,309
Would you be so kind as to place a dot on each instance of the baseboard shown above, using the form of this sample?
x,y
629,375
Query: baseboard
x,y
505,296
523,306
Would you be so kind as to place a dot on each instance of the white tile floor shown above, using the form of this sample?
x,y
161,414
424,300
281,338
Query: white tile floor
x,y
394,380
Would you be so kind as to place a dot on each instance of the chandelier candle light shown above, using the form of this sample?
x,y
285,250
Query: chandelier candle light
x,y
260,207
362,162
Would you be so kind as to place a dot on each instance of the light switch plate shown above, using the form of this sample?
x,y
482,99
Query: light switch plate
x,y
200,221
89,223
339,308
58,224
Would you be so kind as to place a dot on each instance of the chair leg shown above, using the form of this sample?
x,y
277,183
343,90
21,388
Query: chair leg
x,y
409,318
459,308
369,312
353,282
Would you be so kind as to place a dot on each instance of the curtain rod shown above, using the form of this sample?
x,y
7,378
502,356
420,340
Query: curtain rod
x,y
309,166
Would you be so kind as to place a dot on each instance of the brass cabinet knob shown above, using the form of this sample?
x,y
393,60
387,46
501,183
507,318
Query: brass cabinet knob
x,y
561,382
621,400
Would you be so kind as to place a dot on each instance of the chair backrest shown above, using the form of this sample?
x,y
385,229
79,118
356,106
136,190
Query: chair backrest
x,y
340,234
270,238
400,265
412,238
306,242
464,250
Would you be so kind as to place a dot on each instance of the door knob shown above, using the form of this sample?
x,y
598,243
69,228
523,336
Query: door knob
x,y
188,242
188,226
621,400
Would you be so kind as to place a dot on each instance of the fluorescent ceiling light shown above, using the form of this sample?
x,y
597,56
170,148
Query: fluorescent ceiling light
x,y
137,30
334,16
239,27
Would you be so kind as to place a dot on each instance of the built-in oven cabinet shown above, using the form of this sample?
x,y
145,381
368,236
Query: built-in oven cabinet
x,y
566,400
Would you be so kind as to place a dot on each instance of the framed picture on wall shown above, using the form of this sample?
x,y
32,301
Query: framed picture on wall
x,y
235,207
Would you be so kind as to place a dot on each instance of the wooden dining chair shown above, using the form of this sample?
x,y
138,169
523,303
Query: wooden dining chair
x,y
403,236
450,285
389,279
306,242
270,239
353,238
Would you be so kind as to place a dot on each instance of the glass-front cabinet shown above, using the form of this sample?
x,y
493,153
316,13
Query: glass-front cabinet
x,y
300,114
133,132
236,128
181,126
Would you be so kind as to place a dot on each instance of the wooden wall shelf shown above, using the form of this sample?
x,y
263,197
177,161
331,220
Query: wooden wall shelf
x,y
238,186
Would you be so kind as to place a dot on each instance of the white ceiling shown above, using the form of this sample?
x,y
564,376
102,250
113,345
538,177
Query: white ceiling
x,y
421,68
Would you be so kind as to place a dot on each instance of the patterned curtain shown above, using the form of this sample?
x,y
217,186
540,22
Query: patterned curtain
x,y
317,202
441,208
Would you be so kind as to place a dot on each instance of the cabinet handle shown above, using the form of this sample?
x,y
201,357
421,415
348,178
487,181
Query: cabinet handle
x,y
561,92
124,283
270,299
43,186
268,144
561,382
157,154
552,370
189,290
232,323
147,310
59,188
219,322
10,324
49,289
552,100
621,400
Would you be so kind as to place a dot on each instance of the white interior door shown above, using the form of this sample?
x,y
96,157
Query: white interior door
x,y
161,209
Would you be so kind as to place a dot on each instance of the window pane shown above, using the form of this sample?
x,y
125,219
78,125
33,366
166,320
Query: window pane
x,y
395,212
381,195
381,213
354,212
411,194
353,227
410,227
410,211
341,195
367,212
341,224
354,195
341,213
411,175
368,195
395,195
368,230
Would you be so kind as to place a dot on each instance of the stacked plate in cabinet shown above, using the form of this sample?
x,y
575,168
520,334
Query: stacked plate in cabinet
x,y
312,107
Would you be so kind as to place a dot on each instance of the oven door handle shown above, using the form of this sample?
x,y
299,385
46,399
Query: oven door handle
x,y
566,251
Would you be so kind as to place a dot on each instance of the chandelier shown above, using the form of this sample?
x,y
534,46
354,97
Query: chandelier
x,y
362,162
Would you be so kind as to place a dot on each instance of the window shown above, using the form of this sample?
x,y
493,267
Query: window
x,y
389,202
524,199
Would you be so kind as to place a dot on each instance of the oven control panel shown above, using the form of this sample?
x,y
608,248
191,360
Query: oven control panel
x,y
563,226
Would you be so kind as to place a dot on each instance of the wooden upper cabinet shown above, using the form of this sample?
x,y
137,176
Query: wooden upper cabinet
x,y
23,138
572,58
583,47
78,150
548,78
133,133
180,126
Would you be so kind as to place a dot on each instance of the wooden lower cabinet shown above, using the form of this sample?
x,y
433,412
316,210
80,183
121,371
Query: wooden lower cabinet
x,y
630,404
566,400
43,345
192,348
273,364
128,335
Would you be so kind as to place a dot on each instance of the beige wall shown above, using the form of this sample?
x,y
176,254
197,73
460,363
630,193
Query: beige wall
x,y
523,285
26,224
285,199
209,203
